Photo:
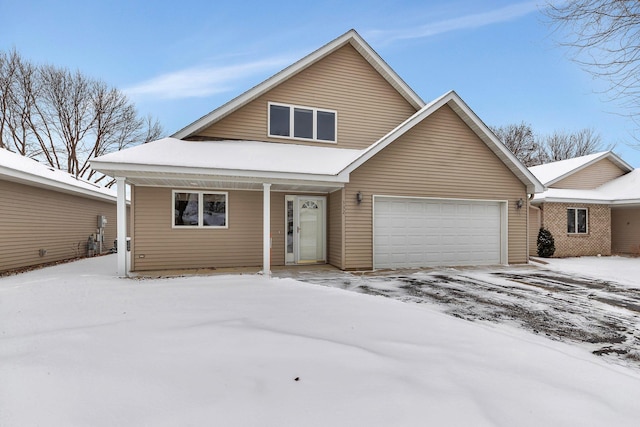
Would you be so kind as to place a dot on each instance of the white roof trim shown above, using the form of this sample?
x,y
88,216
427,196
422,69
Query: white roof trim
x,y
149,171
612,202
350,36
472,120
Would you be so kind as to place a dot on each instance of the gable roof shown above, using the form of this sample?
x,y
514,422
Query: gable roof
x,y
553,172
351,37
235,163
17,168
621,191
453,100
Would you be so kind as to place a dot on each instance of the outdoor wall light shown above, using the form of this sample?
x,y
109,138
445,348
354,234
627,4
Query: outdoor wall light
x,y
359,197
519,204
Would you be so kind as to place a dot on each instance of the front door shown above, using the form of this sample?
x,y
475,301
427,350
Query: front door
x,y
305,224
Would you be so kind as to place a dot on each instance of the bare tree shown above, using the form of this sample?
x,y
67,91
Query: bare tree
x,y
532,149
65,118
561,145
604,36
521,141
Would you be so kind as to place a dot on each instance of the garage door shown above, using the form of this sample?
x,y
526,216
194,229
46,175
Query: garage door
x,y
411,232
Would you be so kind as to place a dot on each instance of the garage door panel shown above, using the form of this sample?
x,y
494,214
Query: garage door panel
x,y
427,232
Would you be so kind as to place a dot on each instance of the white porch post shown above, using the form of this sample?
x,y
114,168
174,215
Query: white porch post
x,y
121,218
266,227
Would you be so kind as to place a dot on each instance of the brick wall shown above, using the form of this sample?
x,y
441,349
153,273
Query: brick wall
x,y
596,241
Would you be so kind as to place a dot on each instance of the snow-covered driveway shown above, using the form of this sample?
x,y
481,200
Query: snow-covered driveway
x,y
602,315
80,347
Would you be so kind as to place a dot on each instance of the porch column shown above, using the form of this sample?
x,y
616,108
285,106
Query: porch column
x,y
266,227
121,218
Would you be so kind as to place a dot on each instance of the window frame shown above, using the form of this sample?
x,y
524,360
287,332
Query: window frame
x,y
575,218
201,195
292,108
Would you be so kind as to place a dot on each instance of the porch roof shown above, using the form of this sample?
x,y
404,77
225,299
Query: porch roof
x,y
230,164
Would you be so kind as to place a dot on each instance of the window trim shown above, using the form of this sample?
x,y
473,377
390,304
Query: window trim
x,y
576,232
315,110
201,195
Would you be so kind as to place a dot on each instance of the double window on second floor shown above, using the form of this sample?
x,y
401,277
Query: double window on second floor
x,y
305,123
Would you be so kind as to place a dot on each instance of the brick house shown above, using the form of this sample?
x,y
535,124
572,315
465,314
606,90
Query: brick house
x,y
591,206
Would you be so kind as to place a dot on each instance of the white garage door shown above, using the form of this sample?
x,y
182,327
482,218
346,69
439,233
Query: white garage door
x,y
410,232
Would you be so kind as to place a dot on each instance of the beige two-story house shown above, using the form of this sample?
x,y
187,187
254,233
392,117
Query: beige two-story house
x,y
335,160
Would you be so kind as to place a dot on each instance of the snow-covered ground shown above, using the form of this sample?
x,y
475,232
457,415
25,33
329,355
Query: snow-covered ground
x,y
80,347
623,270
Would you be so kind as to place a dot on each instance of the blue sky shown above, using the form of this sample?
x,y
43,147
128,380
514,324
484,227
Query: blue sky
x,y
179,60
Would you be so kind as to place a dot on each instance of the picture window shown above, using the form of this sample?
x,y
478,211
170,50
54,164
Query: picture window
x,y
200,209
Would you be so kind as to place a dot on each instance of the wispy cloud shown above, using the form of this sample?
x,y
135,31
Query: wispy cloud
x,y
477,20
203,81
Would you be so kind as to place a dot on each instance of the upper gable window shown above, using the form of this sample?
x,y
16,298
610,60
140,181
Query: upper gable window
x,y
296,122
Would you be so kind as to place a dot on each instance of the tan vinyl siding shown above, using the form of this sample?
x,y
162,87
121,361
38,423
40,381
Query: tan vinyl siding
x,y
158,246
534,227
368,107
240,245
33,218
278,230
440,157
591,177
625,230
335,229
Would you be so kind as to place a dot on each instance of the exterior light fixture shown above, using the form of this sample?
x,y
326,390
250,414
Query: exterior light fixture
x,y
519,203
359,197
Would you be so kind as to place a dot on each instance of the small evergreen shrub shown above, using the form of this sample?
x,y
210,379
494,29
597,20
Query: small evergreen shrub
x,y
546,245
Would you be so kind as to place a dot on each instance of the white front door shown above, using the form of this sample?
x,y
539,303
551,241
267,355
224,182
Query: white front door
x,y
305,225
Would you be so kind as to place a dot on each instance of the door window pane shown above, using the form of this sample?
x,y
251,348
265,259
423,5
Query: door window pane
x,y
326,126
279,120
289,226
303,123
